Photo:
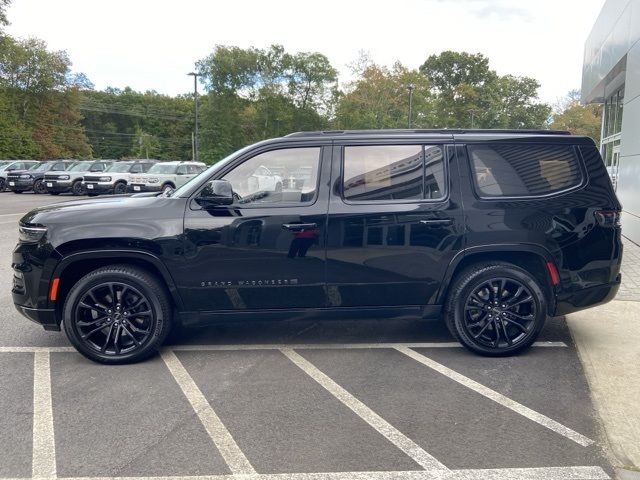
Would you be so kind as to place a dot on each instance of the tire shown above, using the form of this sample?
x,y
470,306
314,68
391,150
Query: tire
x,y
54,193
77,189
39,188
3,184
167,186
125,327
120,188
18,191
495,329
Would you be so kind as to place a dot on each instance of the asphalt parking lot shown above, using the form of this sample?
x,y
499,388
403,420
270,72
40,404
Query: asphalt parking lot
x,y
291,400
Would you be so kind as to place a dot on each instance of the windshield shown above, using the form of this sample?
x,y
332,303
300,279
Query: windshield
x,y
40,167
81,167
163,168
4,164
120,167
35,166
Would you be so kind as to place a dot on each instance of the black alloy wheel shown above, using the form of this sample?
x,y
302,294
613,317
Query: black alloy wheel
x,y
120,188
77,188
497,310
39,187
117,314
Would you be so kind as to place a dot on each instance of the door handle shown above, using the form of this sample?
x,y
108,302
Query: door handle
x,y
296,227
440,222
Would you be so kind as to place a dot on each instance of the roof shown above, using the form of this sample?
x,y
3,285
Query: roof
x,y
442,131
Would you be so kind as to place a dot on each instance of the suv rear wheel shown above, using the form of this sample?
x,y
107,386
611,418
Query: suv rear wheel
x,y
39,188
495,309
117,314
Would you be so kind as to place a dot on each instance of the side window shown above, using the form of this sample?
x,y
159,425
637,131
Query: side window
x,y
182,170
193,169
393,172
144,167
137,168
280,176
96,167
524,170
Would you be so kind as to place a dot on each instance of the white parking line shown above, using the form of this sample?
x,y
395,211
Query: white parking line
x,y
44,447
274,346
551,473
498,397
404,443
219,434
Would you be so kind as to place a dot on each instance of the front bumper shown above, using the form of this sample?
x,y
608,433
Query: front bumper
x,y
19,185
97,188
57,186
587,297
141,187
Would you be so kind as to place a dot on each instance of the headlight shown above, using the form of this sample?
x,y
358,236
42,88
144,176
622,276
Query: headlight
x,y
64,177
104,179
26,176
152,180
31,234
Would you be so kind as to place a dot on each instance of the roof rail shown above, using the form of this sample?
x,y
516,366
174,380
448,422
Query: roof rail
x,y
451,131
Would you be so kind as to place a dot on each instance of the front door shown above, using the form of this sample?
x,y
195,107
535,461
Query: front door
x,y
395,223
267,249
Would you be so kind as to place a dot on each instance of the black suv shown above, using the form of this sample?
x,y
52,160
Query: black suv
x,y
33,179
492,230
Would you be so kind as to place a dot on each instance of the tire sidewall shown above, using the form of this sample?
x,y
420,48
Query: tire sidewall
x,y
474,281
120,186
160,321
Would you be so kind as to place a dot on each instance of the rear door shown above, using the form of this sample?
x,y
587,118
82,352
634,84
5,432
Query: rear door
x,y
395,221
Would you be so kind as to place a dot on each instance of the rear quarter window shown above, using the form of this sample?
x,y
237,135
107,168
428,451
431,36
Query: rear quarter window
x,y
524,170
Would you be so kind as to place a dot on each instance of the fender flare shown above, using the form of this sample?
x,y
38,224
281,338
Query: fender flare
x,y
147,257
492,248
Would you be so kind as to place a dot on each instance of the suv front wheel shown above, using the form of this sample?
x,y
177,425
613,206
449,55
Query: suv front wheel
x,y
495,309
117,314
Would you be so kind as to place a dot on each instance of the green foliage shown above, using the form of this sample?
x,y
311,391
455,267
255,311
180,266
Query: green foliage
x,y
579,119
3,16
41,99
470,94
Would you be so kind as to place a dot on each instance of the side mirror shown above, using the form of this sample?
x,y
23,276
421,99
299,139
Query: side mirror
x,y
216,193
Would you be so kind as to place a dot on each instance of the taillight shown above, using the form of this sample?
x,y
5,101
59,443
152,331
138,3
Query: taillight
x,y
608,218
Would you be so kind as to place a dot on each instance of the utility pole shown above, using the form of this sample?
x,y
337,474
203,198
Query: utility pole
x,y
473,113
277,120
196,145
410,87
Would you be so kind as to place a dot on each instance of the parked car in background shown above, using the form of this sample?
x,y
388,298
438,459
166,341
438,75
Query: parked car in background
x,y
71,180
12,166
116,178
164,176
19,181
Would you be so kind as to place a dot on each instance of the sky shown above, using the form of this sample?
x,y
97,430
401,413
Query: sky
x,y
153,44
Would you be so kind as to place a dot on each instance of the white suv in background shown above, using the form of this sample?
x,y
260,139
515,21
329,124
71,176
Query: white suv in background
x,y
115,178
165,176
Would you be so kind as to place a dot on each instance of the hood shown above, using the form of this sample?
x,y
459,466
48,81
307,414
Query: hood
x,y
101,209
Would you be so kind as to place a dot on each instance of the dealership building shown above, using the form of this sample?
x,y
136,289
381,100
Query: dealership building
x,y
611,76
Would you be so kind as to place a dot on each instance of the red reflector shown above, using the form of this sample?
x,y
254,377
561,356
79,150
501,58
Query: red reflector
x,y
553,274
53,289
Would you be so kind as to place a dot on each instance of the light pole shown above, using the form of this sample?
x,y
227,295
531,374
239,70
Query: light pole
x,y
473,114
410,87
195,93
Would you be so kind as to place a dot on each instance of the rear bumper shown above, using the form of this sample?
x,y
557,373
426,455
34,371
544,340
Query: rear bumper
x,y
587,297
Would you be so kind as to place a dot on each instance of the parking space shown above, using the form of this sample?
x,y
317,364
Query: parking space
x,y
299,400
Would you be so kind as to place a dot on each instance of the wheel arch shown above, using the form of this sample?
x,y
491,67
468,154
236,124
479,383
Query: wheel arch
x,y
532,258
74,266
170,183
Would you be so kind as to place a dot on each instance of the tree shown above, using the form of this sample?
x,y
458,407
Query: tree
x,y
469,94
39,90
579,119
4,21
